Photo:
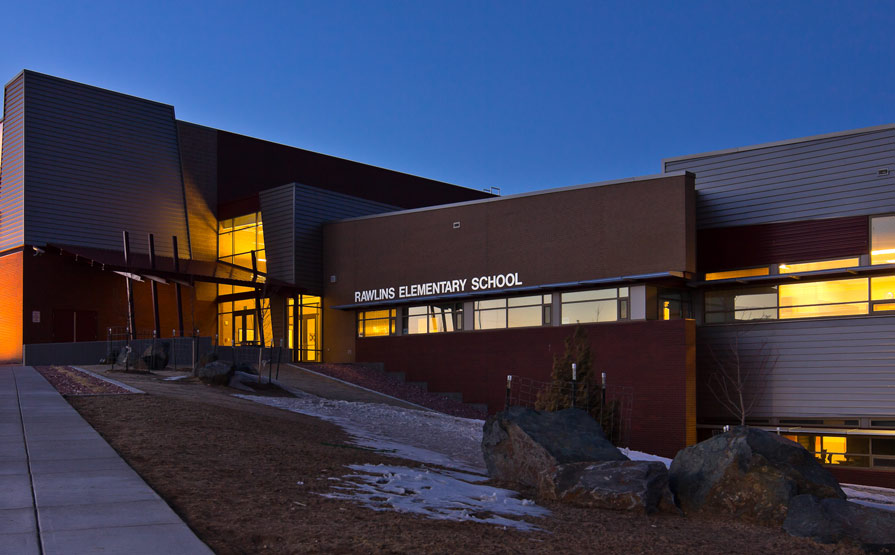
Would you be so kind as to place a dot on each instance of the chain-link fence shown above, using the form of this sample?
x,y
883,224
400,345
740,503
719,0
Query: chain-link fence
x,y
611,405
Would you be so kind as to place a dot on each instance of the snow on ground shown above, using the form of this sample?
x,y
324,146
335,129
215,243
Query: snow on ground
x,y
641,456
424,436
436,494
881,498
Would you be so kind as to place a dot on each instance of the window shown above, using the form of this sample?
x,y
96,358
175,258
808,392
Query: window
x,y
882,240
597,305
823,298
376,323
433,318
882,293
820,265
674,304
850,450
748,272
512,312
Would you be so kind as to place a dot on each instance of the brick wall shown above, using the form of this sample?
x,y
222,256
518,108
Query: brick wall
x,y
655,358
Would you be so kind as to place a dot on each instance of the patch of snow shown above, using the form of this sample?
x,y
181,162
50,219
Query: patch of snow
x,y
175,378
425,436
872,496
641,456
436,494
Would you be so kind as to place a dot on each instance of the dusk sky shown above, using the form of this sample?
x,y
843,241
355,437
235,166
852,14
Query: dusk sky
x,y
516,95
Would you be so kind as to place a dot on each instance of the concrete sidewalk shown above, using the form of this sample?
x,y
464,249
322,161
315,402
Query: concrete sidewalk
x,y
63,489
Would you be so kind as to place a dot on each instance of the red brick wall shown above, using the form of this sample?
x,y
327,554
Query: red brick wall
x,y
11,307
879,478
655,358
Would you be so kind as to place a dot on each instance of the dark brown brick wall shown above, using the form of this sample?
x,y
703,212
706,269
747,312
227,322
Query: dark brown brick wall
x,y
655,358
879,478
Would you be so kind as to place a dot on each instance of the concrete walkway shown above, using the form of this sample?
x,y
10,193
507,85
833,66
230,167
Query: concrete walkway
x,y
63,489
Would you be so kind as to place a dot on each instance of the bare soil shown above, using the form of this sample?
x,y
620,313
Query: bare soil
x,y
247,479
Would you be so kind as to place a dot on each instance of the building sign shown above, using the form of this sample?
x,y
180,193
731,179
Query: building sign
x,y
431,288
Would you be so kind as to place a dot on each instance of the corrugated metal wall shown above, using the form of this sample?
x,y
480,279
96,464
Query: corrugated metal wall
x,y
821,178
824,368
293,215
198,157
12,173
100,162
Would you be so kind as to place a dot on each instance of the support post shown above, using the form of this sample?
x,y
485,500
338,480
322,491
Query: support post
x,y
154,287
174,348
131,319
574,381
177,288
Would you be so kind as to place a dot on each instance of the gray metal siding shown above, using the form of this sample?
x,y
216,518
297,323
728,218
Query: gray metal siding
x,y
814,179
12,166
824,368
293,217
98,163
277,207
198,158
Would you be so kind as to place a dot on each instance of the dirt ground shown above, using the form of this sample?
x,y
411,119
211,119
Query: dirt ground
x,y
246,478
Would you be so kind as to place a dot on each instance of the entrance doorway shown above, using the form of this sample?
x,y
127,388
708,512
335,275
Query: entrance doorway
x,y
244,327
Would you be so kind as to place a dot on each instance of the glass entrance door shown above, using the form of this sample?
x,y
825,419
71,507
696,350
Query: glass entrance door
x,y
244,327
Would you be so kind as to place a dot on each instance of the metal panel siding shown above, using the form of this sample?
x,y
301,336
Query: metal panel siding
x,y
787,242
12,171
198,158
313,207
277,208
98,163
824,368
822,178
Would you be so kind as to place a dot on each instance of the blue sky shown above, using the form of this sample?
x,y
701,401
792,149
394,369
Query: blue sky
x,y
517,95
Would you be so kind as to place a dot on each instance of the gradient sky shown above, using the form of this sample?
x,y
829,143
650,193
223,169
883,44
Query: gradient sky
x,y
517,95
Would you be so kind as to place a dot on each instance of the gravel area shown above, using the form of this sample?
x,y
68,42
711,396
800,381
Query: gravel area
x,y
69,381
378,380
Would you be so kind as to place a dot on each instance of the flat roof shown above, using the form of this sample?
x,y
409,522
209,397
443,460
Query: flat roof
x,y
517,195
860,131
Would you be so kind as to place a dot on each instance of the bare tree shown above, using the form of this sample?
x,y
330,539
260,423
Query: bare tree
x,y
740,374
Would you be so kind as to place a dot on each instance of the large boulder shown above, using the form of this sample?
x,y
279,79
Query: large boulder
x,y
520,444
155,357
640,486
216,372
749,473
832,519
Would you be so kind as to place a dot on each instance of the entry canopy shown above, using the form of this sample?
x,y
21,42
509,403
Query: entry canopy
x,y
188,273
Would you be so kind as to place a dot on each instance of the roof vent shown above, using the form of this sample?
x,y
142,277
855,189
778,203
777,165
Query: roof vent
x,y
883,172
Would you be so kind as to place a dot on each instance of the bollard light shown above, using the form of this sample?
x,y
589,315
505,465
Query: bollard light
x,y
574,372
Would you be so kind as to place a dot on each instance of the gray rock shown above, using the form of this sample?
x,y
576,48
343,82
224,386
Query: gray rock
x,y
750,473
519,444
216,372
640,486
156,358
832,519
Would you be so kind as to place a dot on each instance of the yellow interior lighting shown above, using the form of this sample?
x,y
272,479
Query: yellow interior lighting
x,y
819,265
731,274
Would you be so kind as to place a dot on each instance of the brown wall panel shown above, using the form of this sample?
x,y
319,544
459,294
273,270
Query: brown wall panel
x,y
882,478
55,284
758,245
654,358
584,233
247,166
11,307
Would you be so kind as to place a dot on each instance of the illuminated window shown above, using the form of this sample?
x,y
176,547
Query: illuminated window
x,y
512,312
596,305
376,323
757,303
433,318
749,272
882,240
819,265
674,304
843,450
823,298
237,238
308,331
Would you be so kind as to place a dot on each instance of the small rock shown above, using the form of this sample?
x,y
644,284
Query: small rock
x,y
216,372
